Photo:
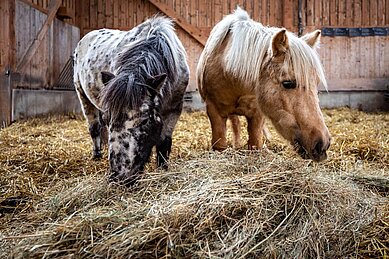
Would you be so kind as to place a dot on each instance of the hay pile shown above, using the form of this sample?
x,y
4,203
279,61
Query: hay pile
x,y
55,201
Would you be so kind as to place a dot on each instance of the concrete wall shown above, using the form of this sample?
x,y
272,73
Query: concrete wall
x,y
31,103
365,101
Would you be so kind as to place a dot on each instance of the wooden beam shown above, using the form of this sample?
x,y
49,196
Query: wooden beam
x,y
195,32
63,12
35,6
24,61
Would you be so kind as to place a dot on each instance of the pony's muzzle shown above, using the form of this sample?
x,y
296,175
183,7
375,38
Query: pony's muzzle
x,y
319,150
317,153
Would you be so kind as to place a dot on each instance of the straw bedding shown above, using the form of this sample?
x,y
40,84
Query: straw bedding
x,y
55,200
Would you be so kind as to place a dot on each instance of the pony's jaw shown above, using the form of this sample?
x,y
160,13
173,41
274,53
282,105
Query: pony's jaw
x,y
130,144
301,123
122,153
315,136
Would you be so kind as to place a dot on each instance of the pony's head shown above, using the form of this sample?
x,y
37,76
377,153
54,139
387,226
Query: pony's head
x,y
132,106
288,92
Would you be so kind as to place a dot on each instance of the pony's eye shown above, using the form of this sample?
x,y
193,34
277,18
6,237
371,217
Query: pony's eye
x,y
289,84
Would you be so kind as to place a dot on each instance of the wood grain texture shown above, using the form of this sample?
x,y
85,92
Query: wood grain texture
x,y
344,58
194,31
7,59
51,55
54,5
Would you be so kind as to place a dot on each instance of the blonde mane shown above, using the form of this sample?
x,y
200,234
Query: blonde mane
x,y
250,44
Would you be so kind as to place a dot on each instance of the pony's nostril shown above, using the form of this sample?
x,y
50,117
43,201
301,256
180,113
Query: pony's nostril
x,y
318,149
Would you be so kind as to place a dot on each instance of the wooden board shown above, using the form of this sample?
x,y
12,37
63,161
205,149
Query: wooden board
x,y
7,59
344,58
54,50
40,35
356,63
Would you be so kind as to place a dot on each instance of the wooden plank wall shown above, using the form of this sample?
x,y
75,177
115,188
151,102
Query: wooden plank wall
x,y
68,5
54,51
204,14
351,63
349,13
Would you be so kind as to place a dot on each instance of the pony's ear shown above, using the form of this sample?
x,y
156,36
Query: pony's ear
x,y
106,77
157,82
313,38
280,43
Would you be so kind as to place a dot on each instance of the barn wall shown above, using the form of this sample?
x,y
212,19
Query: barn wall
x,y
351,63
54,50
20,24
351,13
202,14
357,63
66,12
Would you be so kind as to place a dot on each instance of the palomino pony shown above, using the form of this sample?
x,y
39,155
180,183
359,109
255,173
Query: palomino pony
x,y
134,82
255,71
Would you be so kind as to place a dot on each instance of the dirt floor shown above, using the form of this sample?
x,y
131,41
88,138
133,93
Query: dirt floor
x,y
55,200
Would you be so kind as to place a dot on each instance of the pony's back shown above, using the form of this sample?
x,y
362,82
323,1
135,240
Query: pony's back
x,y
216,37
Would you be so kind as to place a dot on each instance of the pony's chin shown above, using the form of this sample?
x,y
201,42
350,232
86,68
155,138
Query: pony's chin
x,y
306,155
320,157
299,148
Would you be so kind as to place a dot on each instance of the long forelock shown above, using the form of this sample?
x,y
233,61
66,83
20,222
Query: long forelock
x,y
305,62
122,95
247,50
250,47
159,52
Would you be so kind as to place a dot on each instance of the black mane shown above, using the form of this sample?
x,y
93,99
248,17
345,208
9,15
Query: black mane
x,y
141,61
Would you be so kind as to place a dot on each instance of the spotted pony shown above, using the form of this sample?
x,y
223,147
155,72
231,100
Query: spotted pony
x,y
133,82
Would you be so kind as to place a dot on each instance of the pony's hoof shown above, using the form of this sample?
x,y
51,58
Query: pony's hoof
x,y
128,182
219,148
97,154
163,166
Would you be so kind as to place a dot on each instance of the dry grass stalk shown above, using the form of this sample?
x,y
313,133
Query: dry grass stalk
x,y
55,200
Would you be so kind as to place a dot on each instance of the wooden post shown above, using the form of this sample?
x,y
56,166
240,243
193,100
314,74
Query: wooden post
x,y
7,14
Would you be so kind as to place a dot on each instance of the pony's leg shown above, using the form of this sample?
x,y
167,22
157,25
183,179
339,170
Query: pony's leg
x,y
255,131
235,123
218,125
164,147
94,119
104,129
